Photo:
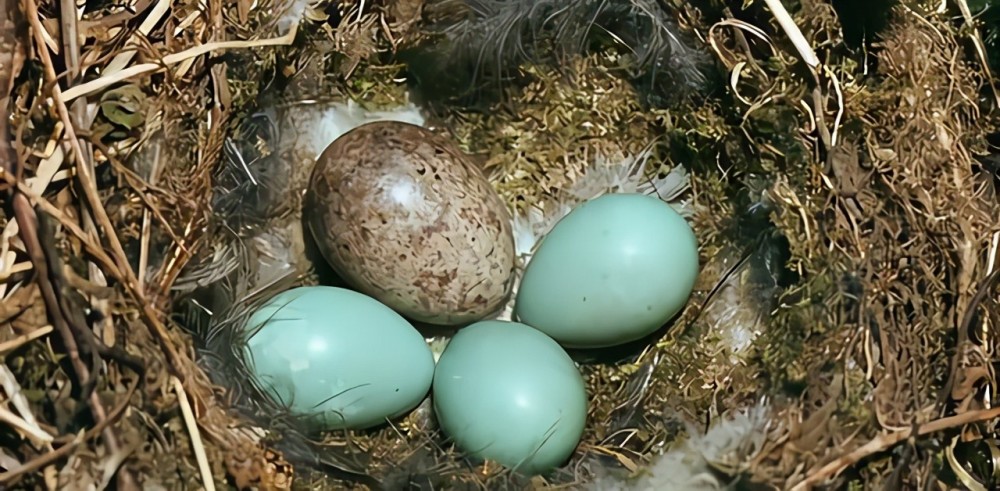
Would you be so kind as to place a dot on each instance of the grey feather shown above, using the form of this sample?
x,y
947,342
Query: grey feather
x,y
495,38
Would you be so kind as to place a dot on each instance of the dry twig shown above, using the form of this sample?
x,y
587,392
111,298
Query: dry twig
x,y
192,426
12,475
85,174
886,441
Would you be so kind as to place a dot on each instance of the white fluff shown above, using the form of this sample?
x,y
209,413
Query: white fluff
x,y
727,447
616,173
322,123
735,319
532,224
291,15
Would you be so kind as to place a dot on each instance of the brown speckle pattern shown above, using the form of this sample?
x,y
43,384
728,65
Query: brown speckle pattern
x,y
405,217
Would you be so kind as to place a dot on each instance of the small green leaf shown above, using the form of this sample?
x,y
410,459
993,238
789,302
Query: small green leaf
x,y
124,105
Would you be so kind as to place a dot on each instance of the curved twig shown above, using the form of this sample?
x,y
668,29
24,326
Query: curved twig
x,y
886,441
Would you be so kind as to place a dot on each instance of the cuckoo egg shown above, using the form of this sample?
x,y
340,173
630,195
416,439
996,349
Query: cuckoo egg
x,y
404,216
337,357
507,392
615,269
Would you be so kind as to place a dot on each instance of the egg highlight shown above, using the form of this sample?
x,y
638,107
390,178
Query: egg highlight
x,y
338,358
507,392
404,216
613,270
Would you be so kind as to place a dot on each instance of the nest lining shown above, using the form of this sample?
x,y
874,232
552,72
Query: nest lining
x,y
869,251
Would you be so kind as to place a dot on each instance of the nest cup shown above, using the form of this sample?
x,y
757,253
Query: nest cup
x,y
838,170
267,233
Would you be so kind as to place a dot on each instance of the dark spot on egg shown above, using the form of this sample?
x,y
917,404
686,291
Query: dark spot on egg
x,y
432,201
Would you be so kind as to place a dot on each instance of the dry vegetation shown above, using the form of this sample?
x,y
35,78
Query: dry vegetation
x,y
844,193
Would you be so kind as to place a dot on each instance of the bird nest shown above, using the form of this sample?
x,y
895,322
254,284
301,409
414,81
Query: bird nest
x,y
835,164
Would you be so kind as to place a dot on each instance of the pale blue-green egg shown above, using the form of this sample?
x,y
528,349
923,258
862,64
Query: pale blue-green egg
x,y
615,269
338,357
507,392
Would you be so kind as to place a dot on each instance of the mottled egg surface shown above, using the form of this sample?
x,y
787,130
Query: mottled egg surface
x,y
404,216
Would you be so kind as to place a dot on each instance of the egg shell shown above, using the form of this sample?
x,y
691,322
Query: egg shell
x,y
404,216
340,358
613,270
507,392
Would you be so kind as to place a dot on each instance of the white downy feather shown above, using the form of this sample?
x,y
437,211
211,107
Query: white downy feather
x,y
726,448
618,173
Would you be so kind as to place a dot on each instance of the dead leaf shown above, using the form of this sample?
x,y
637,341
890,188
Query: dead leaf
x,y
255,468
18,302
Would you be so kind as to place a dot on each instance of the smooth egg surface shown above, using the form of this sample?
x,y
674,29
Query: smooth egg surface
x,y
613,270
507,392
404,216
339,357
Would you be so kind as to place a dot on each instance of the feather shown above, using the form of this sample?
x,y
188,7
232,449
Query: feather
x,y
495,38
259,250
704,462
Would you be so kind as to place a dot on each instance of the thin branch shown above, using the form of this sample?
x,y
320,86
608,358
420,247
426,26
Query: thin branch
x,y
793,32
46,459
85,174
886,441
192,425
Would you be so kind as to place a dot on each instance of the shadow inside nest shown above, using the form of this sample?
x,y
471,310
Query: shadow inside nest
x,y
478,49
218,294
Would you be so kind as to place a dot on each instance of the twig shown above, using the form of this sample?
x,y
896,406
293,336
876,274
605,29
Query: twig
x,y
145,236
94,249
886,441
33,432
13,389
991,262
89,187
43,460
128,52
141,188
14,269
808,55
13,344
977,41
60,314
46,171
70,38
172,59
8,155
29,235
192,426
793,32
962,336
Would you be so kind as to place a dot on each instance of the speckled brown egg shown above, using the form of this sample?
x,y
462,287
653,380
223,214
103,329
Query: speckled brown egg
x,y
404,216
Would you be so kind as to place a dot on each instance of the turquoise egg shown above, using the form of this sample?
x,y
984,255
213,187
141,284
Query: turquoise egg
x,y
615,269
340,358
507,392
